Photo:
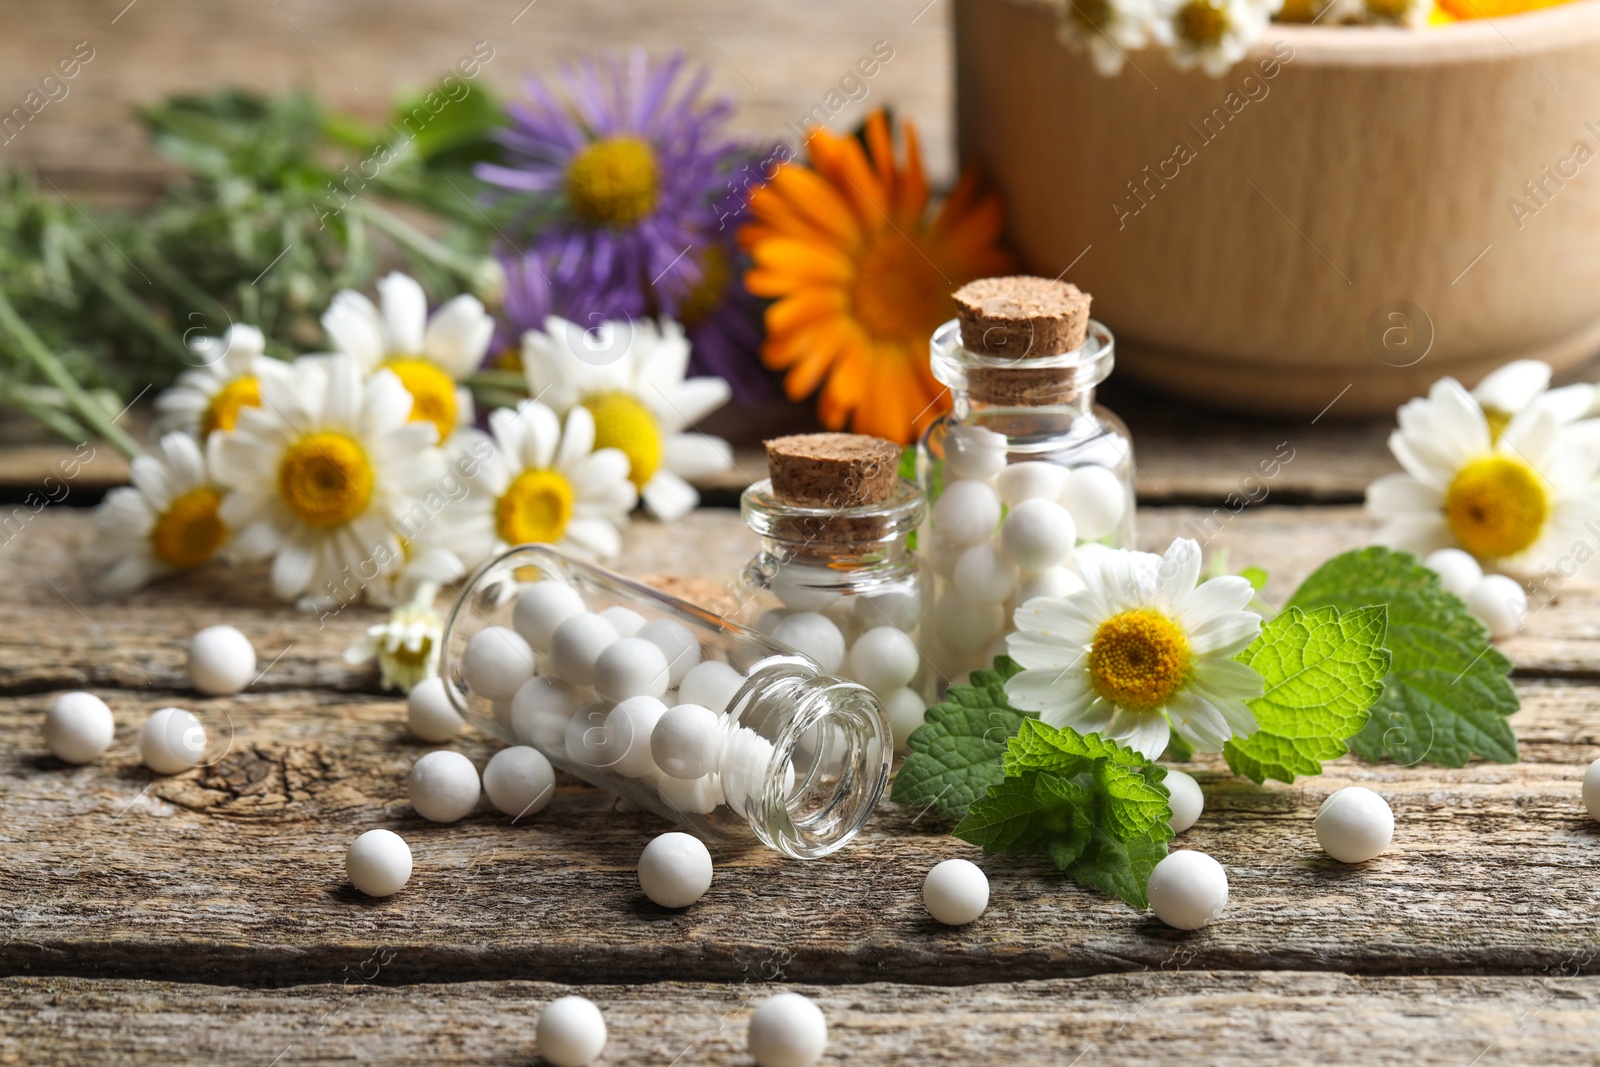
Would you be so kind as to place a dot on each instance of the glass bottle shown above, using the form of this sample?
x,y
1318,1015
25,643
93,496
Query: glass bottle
x,y
790,755
826,578
1018,429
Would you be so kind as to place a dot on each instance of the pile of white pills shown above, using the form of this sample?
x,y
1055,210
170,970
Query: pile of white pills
x,y
1500,603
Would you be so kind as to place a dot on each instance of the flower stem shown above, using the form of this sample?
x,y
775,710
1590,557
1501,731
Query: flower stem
x,y
467,268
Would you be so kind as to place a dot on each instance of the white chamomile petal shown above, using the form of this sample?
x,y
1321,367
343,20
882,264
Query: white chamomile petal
x,y
458,335
169,520
405,313
1514,386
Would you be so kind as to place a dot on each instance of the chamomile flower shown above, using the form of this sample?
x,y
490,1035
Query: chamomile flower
x,y
1506,392
1516,500
1107,29
630,377
1143,648
1211,34
320,474
168,520
210,396
429,355
405,645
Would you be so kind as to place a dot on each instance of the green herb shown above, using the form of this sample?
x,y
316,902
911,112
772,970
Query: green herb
x,y
1448,693
955,754
1323,670
1098,810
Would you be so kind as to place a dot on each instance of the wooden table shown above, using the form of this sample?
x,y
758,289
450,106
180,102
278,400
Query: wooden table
x,y
206,918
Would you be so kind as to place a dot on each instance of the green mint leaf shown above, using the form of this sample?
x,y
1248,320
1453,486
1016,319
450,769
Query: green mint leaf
x,y
1448,693
956,753
1120,868
1323,671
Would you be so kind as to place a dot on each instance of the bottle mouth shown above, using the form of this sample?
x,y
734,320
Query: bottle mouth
x,y
818,530
1063,373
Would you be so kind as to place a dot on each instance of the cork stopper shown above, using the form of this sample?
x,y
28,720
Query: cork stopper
x,y
832,470
1022,317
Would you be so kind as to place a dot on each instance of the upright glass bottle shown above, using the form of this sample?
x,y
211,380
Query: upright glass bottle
x,y
545,650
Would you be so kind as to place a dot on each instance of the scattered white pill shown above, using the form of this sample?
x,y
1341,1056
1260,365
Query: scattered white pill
x,y
78,727
571,1032
1038,534
625,621
711,685
677,642
675,870
1500,603
543,606
816,636
585,735
222,661
1186,799
1458,572
788,1030
967,512
973,452
1031,480
984,575
955,892
900,608
687,741
378,863
630,667
172,741
429,713
443,786
1188,890
519,781
700,796
1354,825
1054,583
883,659
629,728
496,663
1591,789
577,644
539,713
964,626
905,710
1096,498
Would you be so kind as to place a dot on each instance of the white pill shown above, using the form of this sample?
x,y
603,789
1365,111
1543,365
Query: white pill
x,y
172,741
1354,825
1458,572
1188,890
585,735
768,621
629,727
984,575
443,786
675,870
631,667
78,727
972,452
700,796
788,1030
1053,583
815,635
378,863
429,713
497,661
539,713
805,587
222,661
964,626
1500,603
900,608
1038,534
1186,799
1031,481
967,512
955,892
571,1032
519,781
1097,500
687,741
677,642
906,710
625,621
746,757
543,606
943,554
577,644
883,659
1591,789
711,685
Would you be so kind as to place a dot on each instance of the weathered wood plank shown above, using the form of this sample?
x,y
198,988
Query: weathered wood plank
x,y
1171,1016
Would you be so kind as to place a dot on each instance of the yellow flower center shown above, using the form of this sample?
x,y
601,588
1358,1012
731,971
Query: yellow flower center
x,y
326,479
704,299
1498,421
223,411
1201,23
536,506
189,532
1139,659
1496,506
433,392
898,294
613,182
622,421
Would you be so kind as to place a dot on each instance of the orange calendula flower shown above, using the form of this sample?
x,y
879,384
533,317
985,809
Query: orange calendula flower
x,y
861,278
